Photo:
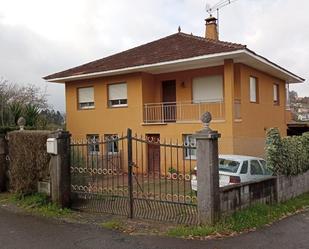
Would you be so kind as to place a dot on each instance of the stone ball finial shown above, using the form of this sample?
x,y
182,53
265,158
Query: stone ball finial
x,y
21,122
206,119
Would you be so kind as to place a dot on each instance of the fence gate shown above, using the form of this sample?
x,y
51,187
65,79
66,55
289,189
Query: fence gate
x,y
140,177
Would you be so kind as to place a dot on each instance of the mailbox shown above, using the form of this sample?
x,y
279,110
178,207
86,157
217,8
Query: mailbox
x,y
51,145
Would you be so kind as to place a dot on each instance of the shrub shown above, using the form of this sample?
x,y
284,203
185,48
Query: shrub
x,y
289,155
29,161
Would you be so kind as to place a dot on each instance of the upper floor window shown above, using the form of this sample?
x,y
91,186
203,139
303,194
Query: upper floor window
x,y
276,94
86,98
117,95
253,90
207,89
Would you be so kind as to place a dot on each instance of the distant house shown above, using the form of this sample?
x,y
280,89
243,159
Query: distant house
x,y
160,89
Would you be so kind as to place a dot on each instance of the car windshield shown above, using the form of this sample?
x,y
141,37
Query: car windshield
x,y
228,165
266,169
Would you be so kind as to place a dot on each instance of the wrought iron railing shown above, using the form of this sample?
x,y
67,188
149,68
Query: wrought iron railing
x,y
186,111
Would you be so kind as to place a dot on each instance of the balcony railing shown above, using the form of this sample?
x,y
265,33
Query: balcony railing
x,y
182,111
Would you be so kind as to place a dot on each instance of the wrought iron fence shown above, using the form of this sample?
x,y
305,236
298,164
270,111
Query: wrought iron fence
x,y
145,177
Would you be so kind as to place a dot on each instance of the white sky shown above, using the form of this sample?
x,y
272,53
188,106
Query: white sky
x,y
39,37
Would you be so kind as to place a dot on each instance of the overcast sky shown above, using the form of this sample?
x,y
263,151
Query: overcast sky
x,y
38,37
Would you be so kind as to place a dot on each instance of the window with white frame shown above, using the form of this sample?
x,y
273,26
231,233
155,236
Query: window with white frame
x,y
112,143
117,95
253,90
207,89
86,98
276,94
93,143
189,151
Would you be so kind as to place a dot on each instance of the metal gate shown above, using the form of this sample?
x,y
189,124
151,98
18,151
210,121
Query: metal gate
x,y
136,176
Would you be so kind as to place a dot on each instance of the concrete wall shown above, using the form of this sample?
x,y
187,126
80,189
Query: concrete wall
x,y
268,191
236,197
289,187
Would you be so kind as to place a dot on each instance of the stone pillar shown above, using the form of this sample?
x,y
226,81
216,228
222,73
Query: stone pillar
x,y
208,195
60,170
3,162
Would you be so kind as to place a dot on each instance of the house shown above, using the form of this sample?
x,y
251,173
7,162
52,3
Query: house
x,y
160,89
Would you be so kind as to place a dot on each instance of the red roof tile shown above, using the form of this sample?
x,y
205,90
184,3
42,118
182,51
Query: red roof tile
x,y
173,47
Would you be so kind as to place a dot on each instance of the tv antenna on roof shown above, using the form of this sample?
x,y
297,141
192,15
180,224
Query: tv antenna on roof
x,y
215,8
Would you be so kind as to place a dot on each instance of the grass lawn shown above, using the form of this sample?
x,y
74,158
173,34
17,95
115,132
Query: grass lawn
x,y
35,203
248,219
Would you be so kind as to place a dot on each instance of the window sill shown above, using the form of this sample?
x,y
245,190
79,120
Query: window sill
x,y
118,106
86,109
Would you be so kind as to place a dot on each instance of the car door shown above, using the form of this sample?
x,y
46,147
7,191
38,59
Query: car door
x,y
244,172
256,170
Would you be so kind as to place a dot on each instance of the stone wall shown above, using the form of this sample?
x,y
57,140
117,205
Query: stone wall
x,y
239,196
292,186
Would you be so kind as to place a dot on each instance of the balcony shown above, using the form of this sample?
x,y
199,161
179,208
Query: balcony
x,y
182,112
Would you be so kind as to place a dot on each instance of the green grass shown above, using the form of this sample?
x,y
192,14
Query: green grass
x,y
40,204
250,218
113,224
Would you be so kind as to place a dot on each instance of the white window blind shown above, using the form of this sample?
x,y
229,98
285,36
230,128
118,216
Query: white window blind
x,y
276,91
253,96
208,89
85,95
117,91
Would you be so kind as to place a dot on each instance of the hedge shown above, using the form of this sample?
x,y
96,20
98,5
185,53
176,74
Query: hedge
x,y
288,155
29,161
6,129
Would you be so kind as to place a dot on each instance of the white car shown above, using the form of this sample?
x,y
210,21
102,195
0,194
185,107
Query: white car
x,y
238,169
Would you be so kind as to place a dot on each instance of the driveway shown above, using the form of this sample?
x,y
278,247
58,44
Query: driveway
x,y
20,231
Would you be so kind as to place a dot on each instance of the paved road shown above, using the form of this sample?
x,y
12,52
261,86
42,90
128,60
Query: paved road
x,y
27,232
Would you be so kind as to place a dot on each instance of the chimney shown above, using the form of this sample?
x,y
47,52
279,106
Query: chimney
x,y
211,28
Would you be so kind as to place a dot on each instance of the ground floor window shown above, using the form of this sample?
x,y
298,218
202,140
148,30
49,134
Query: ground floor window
x,y
189,140
93,143
112,143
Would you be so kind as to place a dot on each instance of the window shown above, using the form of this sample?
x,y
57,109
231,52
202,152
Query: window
x,y
112,143
86,98
267,171
207,89
256,168
227,165
117,94
253,90
93,144
189,141
244,168
276,94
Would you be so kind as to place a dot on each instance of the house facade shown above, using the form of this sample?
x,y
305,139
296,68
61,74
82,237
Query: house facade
x,y
162,88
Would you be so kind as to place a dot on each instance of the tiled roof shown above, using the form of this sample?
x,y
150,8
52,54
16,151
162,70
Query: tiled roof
x,y
170,48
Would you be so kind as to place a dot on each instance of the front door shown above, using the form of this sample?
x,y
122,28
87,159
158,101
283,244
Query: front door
x,y
169,100
153,153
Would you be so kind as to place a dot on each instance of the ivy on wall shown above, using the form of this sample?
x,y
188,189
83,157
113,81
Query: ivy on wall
x,y
288,155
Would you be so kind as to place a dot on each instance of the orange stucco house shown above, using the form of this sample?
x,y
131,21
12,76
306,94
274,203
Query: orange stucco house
x,y
161,89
